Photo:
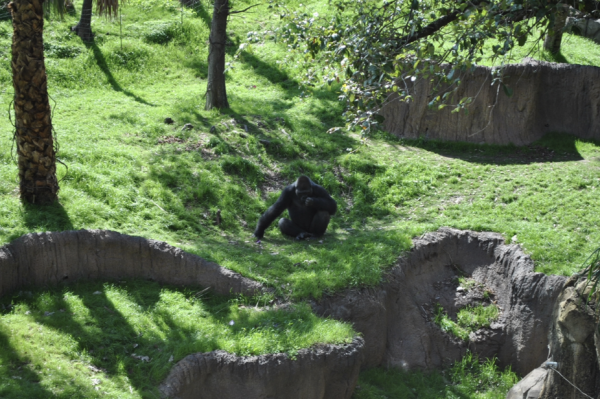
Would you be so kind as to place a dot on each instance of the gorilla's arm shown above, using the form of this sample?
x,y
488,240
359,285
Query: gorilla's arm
x,y
322,201
283,202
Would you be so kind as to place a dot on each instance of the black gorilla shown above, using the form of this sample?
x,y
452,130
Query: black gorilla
x,y
310,207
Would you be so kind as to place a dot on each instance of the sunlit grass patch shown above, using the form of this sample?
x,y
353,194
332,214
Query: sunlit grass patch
x,y
121,339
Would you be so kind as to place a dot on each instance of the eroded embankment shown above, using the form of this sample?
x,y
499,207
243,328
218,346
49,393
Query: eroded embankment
x,y
395,319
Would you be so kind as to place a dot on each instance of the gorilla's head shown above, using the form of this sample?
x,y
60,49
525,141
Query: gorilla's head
x,y
303,187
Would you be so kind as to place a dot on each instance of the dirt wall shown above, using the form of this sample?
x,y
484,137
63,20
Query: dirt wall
x,y
46,259
325,372
548,97
397,318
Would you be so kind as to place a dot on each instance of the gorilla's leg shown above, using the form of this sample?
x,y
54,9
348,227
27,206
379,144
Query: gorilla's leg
x,y
319,223
289,228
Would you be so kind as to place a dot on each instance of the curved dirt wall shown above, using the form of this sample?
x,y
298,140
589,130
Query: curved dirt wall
x,y
547,97
324,372
46,259
396,320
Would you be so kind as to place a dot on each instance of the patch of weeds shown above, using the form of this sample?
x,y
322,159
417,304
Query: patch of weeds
x,y
466,283
468,319
469,378
448,325
160,32
131,56
219,146
54,50
476,317
242,167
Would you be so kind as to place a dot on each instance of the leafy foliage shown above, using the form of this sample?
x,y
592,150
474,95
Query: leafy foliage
x,y
380,50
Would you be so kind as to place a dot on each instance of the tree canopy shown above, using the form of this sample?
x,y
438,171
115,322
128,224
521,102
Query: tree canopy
x,y
379,48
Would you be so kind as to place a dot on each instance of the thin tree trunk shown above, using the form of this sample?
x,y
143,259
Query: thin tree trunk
x,y
553,39
35,145
83,29
216,94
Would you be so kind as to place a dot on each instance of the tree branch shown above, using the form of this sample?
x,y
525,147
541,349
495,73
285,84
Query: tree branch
x,y
245,9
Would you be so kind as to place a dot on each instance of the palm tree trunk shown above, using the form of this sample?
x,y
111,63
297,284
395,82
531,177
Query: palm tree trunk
x,y
83,29
35,145
216,94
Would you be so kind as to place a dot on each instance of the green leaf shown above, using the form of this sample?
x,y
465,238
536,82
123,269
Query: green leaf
x,y
507,90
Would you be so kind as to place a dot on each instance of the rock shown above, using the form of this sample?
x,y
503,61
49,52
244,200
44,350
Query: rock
x,y
573,345
169,121
585,27
548,97
530,386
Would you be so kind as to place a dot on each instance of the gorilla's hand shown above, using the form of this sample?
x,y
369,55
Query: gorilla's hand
x,y
258,235
309,201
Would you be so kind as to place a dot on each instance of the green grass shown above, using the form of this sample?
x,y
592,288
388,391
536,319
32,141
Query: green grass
x,y
130,172
89,334
468,378
468,319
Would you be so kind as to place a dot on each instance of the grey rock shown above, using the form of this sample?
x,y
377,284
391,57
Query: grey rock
x,y
530,386
573,345
585,27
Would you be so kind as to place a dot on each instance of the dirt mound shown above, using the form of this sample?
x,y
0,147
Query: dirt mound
x,y
397,318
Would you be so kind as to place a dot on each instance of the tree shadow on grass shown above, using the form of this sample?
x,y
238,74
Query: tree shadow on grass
x,y
110,345
52,217
17,378
101,62
554,147
106,337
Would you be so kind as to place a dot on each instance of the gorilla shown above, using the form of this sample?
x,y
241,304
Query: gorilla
x,y
310,207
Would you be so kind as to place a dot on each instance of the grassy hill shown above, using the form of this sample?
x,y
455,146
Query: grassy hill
x,y
129,171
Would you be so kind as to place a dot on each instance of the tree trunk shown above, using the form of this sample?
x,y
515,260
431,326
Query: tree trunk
x,y
216,94
553,39
83,29
35,145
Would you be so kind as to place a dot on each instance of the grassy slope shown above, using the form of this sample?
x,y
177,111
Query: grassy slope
x,y
130,172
